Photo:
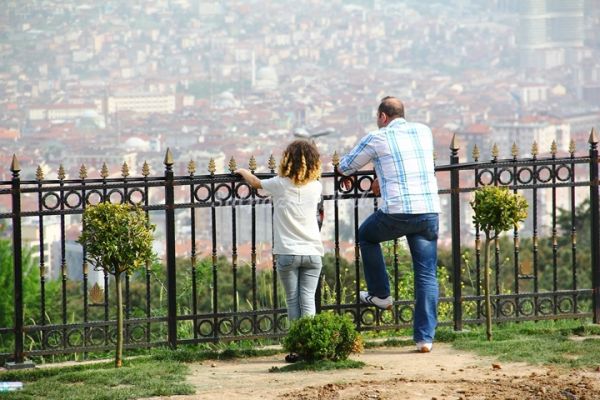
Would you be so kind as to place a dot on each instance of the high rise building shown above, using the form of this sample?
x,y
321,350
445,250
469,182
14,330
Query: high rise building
x,y
550,32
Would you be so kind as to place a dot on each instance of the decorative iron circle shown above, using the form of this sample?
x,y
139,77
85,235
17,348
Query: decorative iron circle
x,y
362,188
48,196
206,190
245,326
545,306
406,313
560,171
112,334
351,314
78,199
566,305
283,323
492,306
367,317
137,333
507,308
526,307
225,327
139,199
246,195
96,336
205,328
261,194
95,193
544,174
264,324
483,173
75,338
118,193
505,176
219,195
53,339
528,177
350,189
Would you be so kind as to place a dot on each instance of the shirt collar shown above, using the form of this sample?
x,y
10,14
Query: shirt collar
x,y
397,121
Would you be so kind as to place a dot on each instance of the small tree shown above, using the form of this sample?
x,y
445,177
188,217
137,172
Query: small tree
x,y
117,239
496,210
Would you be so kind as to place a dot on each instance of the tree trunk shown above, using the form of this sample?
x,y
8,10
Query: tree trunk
x,y
119,353
486,287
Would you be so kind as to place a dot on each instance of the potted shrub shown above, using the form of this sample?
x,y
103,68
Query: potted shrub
x,y
117,239
497,209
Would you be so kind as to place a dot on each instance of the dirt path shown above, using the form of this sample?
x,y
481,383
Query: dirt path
x,y
393,373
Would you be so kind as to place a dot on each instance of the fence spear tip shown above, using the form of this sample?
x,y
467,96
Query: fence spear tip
x,y
169,157
454,143
14,165
593,137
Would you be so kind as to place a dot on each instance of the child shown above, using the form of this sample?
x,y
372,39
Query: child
x,y
296,192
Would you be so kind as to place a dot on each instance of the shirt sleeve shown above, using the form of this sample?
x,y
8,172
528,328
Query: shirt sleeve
x,y
358,157
272,185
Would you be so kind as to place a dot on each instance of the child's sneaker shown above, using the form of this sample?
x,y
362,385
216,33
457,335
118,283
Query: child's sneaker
x,y
384,304
424,347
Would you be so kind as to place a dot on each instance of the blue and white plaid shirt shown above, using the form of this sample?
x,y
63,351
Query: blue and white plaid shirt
x,y
402,153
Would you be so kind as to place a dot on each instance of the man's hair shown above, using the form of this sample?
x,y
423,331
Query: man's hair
x,y
392,107
300,162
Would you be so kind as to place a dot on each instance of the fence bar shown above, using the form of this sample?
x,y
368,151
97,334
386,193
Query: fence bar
x,y
594,203
455,222
171,264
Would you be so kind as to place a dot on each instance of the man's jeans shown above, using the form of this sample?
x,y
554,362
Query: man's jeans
x,y
300,277
421,231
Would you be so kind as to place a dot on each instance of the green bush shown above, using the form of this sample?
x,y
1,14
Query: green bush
x,y
326,336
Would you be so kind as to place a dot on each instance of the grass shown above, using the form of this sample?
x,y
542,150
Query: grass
x,y
543,342
163,371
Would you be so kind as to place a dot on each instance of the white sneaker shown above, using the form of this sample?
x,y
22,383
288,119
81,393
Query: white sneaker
x,y
384,304
424,347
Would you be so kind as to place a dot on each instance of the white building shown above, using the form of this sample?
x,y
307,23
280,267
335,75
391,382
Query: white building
x,y
141,103
524,132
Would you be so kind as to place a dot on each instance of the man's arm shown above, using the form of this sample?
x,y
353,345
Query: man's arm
x,y
357,158
249,178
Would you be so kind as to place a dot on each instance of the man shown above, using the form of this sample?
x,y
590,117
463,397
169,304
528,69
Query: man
x,y
402,154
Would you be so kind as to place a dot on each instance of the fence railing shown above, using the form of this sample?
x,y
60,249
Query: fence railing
x,y
217,279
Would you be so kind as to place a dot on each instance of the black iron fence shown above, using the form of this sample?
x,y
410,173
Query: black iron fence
x,y
216,281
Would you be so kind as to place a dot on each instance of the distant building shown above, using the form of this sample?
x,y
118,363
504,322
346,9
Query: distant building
x,y
525,131
551,32
141,103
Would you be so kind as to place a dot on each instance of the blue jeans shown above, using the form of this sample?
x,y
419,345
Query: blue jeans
x,y
421,231
300,277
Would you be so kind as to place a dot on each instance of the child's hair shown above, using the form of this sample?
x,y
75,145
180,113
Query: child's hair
x,y
300,162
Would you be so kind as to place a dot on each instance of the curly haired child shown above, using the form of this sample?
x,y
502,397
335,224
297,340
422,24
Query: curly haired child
x,y
296,192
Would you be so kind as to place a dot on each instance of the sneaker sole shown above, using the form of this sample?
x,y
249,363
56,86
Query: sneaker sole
x,y
423,350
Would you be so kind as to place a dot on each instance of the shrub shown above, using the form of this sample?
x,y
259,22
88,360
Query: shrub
x,y
326,336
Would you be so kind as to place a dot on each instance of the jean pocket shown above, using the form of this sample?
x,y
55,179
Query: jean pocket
x,y
432,228
316,261
285,261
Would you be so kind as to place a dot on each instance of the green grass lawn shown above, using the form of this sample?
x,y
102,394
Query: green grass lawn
x,y
163,372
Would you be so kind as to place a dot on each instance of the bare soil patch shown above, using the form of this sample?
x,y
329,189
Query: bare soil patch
x,y
394,373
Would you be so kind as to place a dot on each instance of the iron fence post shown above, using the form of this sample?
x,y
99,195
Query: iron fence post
x,y
170,251
455,222
594,203
17,260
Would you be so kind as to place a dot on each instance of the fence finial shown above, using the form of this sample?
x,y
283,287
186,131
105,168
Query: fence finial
x,y
61,172
39,173
495,151
82,172
212,167
553,148
272,163
252,164
593,137
454,143
14,165
534,149
335,160
572,147
145,169
125,170
191,167
104,171
475,153
168,157
514,150
232,165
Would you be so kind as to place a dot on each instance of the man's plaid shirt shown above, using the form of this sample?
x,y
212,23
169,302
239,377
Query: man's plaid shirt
x,y
402,154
